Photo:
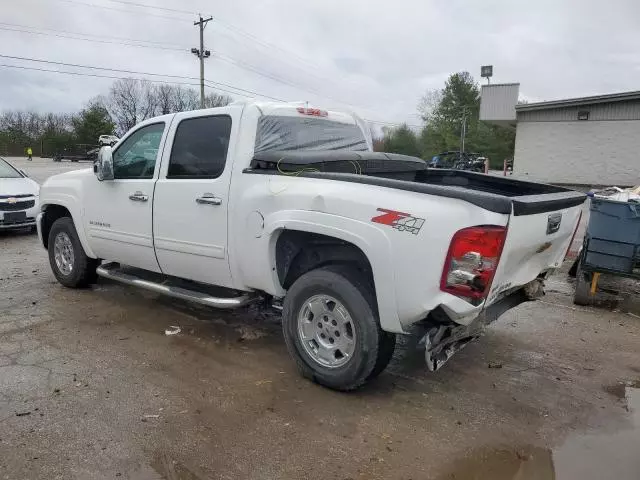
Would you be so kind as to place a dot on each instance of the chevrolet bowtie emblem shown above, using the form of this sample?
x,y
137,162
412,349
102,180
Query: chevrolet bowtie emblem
x,y
11,200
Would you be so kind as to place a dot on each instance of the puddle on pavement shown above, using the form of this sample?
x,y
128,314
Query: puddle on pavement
x,y
590,456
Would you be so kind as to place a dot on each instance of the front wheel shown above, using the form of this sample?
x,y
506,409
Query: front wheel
x,y
330,324
69,263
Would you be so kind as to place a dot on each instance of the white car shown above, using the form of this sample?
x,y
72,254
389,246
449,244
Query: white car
x,y
107,140
277,202
19,196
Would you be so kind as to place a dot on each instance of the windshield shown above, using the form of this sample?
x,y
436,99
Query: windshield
x,y
7,171
295,133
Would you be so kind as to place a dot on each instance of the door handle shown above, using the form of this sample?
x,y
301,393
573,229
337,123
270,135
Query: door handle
x,y
138,197
208,199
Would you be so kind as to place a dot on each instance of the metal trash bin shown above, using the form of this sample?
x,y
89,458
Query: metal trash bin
x,y
611,245
613,237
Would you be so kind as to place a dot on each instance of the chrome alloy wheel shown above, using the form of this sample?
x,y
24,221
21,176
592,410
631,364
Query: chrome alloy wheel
x,y
63,253
326,331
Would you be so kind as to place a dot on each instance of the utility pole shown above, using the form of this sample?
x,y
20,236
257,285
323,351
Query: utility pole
x,y
201,53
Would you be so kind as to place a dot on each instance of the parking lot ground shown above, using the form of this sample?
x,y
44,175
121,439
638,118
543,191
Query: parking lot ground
x,y
42,168
91,387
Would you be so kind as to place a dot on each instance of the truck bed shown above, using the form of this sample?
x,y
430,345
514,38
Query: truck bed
x,y
496,194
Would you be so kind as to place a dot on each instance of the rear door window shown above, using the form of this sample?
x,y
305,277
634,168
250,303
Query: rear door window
x,y
200,147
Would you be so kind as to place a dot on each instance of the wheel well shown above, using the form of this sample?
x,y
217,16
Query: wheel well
x,y
300,252
51,214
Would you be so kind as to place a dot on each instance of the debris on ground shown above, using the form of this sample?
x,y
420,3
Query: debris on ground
x,y
172,330
619,194
248,333
22,414
494,365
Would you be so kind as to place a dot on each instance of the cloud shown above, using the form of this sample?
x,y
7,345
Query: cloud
x,y
375,57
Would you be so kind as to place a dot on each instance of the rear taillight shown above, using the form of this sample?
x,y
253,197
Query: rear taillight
x,y
472,261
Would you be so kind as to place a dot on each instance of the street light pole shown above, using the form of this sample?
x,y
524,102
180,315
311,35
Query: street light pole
x,y
463,131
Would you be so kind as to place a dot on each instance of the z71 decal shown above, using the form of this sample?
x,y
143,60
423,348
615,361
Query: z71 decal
x,y
403,222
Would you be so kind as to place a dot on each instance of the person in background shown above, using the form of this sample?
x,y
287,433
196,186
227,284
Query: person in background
x,y
29,153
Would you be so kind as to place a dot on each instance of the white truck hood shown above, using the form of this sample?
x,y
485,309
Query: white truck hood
x,y
18,186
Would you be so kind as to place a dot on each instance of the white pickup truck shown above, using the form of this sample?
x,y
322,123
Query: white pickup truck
x,y
286,203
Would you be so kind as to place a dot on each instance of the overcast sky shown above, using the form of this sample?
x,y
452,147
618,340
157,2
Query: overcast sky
x,y
372,56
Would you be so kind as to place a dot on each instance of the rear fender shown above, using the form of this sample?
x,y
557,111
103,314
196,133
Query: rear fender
x,y
373,243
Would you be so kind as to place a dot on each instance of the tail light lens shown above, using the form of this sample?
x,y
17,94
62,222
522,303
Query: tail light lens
x,y
472,261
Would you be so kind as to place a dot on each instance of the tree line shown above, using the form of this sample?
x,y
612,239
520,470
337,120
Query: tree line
x,y
128,102
444,112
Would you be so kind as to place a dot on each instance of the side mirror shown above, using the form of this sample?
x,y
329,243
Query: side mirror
x,y
103,168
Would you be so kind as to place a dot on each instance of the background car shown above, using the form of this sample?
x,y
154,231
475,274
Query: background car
x,y
19,198
107,140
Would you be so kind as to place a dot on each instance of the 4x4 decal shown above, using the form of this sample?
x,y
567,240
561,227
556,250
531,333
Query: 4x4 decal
x,y
403,222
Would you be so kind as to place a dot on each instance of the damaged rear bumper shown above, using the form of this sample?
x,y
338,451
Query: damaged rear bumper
x,y
443,338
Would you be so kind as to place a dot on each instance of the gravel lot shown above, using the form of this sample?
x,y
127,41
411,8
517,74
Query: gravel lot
x,y
92,388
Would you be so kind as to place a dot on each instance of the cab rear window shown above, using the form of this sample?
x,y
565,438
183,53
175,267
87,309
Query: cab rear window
x,y
280,133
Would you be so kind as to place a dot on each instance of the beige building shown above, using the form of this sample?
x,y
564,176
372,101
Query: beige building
x,y
580,141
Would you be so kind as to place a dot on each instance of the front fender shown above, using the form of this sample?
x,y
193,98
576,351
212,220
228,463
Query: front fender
x,y
71,203
372,241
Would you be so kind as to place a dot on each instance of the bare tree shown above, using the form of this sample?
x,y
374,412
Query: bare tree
x,y
131,101
213,100
165,99
184,99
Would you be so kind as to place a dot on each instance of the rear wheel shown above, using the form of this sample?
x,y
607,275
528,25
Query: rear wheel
x,y
331,328
69,263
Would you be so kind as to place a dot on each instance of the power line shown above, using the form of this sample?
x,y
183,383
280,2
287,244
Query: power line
x,y
224,23
239,63
86,74
84,34
225,58
250,92
95,40
209,83
134,4
94,67
97,75
84,4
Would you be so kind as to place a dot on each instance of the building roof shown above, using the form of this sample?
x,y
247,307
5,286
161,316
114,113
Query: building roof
x,y
576,102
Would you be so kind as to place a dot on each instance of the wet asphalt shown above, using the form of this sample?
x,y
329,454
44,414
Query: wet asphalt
x,y
91,387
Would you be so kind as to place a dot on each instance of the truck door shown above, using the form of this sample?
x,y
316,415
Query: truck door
x,y
191,197
117,213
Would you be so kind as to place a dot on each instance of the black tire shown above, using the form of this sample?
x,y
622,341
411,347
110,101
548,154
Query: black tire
x,y
582,296
373,347
83,271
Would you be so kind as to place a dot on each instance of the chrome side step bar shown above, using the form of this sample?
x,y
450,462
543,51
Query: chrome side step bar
x,y
113,271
